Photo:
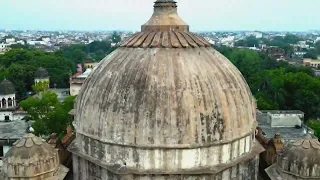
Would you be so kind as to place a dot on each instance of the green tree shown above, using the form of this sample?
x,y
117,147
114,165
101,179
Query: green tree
x,y
78,56
99,55
315,125
310,55
50,115
41,86
116,37
277,85
38,107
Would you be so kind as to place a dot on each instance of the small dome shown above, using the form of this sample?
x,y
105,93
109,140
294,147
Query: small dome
x,y
30,156
301,159
41,73
6,87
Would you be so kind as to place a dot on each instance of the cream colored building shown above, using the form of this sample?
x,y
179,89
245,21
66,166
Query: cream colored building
x,y
311,62
77,80
90,65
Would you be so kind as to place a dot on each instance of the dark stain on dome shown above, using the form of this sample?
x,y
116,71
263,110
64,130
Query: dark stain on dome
x,y
165,86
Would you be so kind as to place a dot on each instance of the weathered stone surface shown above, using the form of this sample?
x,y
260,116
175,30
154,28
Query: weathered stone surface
x,y
243,171
300,160
165,39
165,97
165,106
31,158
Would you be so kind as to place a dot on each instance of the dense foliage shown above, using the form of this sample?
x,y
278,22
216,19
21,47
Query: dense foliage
x,y
20,64
315,125
19,67
277,85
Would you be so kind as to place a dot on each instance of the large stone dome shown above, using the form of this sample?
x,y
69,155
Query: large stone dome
x,y
165,88
165,102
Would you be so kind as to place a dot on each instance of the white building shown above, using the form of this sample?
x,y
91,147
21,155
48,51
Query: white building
x,y
290,124
255,34
12,125
46,39
8,106
4,48
33,43
10,40
21,42
2,45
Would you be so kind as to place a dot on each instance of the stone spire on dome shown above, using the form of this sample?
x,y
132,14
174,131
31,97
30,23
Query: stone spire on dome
x,y
165,18
165,29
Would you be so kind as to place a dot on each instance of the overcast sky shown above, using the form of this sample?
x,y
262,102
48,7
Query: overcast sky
x,y
201,15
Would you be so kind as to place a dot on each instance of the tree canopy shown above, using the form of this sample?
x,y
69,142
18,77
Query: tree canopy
x,y
277,85
50,115
20,64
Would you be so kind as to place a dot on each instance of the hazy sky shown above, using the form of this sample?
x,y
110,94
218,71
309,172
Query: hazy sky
x,y
294,15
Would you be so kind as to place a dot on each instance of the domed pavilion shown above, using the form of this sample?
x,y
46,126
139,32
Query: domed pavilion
x,y
41,75
32,158
165,105
300,160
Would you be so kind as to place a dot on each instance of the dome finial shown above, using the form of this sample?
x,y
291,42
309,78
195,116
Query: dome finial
x,y
165,18
166,2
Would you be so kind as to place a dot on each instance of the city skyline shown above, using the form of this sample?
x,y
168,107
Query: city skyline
x,y
83,15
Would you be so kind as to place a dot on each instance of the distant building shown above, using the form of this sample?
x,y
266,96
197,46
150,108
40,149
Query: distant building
x,y
62,93
90,65
46,39
316,72
34,43
290,124
77,80
4,48
10,40
299,54
12,127
314,63
8,106
274,52
254,34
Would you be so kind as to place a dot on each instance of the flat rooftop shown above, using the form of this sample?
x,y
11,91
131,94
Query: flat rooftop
x,y
62,93
13,130
287,133
282,111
